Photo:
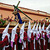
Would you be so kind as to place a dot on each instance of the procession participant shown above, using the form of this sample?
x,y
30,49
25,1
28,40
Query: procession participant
x,y
29,35
39,37
36,38
14,38
44,38
25,40
5,36
21,41
32,38
48,36
3,43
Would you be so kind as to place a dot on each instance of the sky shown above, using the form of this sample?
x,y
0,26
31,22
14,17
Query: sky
x,y
42,5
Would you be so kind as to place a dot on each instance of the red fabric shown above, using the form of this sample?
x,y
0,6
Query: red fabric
x,y
4,42
41,40
39,48
25,39
31,43
44,46
1,44
36,44
8,48
16,38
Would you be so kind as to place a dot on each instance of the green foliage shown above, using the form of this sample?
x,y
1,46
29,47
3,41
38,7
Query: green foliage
x,y
2,22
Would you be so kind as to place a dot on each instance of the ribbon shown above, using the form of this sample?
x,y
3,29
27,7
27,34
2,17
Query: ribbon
x,y
28,39
43,35
20,41
47,35
12,44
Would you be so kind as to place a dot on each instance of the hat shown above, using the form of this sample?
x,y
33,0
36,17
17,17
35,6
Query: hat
x,y
5,32
48,27
14,32
43,27
37,27
40,28
29,29
22,31
6,29
34,26
14,29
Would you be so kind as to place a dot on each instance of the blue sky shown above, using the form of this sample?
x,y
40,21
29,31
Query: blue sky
x,y
43,5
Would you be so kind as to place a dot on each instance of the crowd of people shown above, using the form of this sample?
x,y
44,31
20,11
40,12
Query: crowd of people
x,y
37,38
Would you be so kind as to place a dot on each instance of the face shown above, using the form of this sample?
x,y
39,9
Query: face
x,y
15,11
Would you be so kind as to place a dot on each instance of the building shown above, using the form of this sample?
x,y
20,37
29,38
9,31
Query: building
x,y
7,10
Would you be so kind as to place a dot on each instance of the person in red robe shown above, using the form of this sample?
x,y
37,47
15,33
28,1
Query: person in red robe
x,y
25,40
48,37
5,38
29,35
21,39
32,39
14,38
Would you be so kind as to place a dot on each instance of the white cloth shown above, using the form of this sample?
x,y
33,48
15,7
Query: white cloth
x,y
22,32
14,47
5,32
28,31
34,43
14,32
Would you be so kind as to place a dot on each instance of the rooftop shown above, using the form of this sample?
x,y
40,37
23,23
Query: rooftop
x,y
25,10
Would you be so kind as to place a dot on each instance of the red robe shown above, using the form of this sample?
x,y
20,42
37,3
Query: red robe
x,y
36,43
44,46
16,38
39,43
31,43
25,40
5,43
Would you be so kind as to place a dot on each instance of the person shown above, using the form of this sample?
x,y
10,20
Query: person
x,y
17,16
21,39
14,38
6,38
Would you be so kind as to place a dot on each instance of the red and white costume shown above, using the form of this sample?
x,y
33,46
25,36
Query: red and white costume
x,y
21,40
5,38
14,38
